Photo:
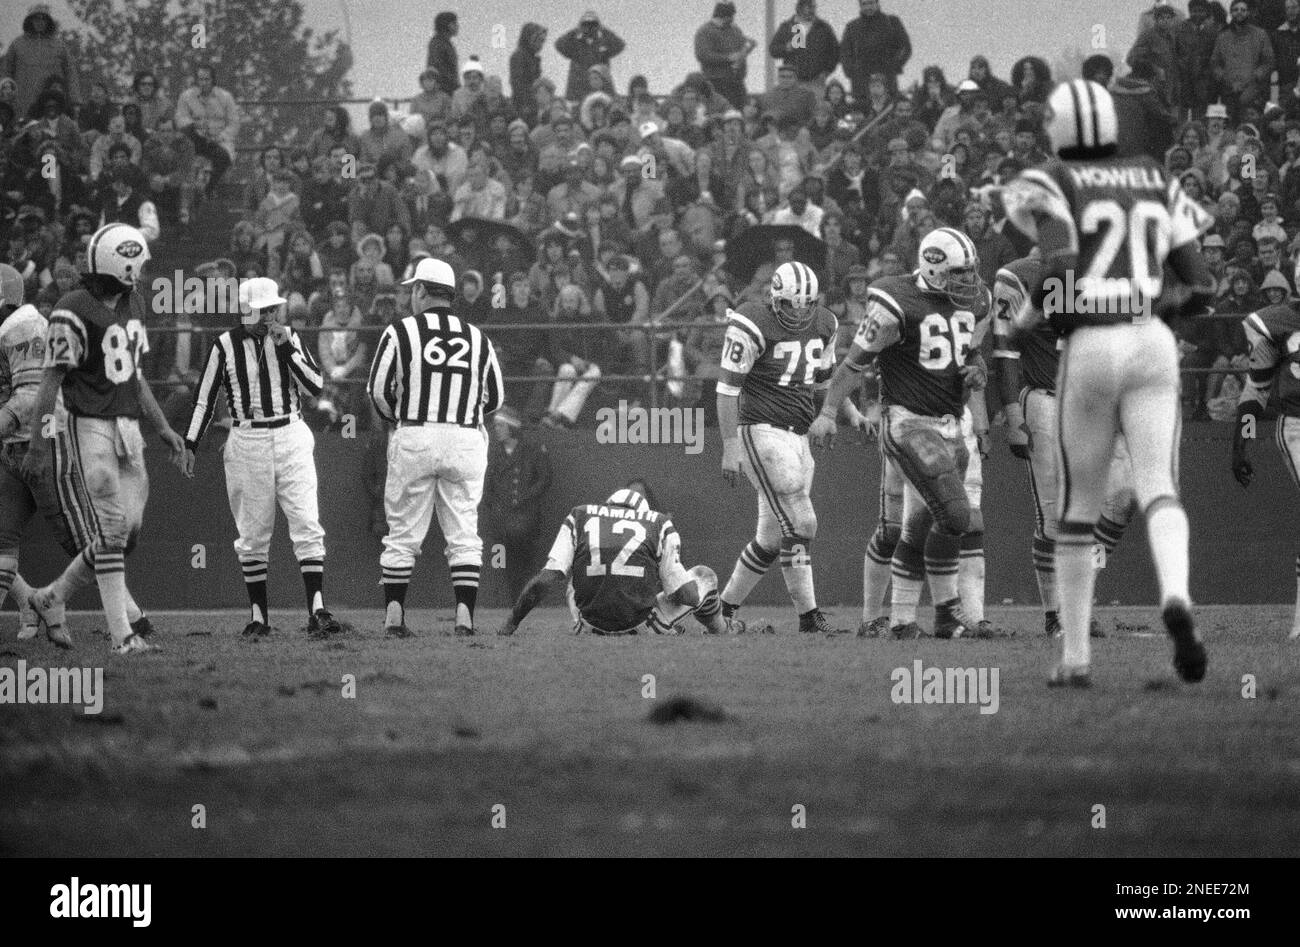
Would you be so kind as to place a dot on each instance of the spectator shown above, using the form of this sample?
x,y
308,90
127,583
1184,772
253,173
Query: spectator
x,y
1286,48
789,152
279,211
573,352
208,114
337,251
852,176
374,205
442,57
935,96
1098,68
95,114
1157,45
788,99
574,195
993,88
270,161
841,256
1212,248
522,352
335,132
971,107
382,141
588,44
995,250
799,212
167,163
128,202
1146,123
722,50
470,100
445,160
479,195
1194,40
1242,61
526,69
623,299
54,125
154,103
808,43
1031,80
874,42
37,56
517,481
343,357
1276,290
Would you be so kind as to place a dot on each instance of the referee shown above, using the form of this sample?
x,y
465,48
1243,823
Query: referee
x,y
435,377
266,370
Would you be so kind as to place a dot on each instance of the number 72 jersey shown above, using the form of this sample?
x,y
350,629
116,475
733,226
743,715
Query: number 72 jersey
x,y
101,349
773,369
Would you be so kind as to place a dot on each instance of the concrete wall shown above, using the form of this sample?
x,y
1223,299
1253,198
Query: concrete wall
x,y
1243,542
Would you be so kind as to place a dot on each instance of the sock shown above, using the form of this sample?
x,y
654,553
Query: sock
x,y
1045,571
395,581
1295,622
908,575
970,575
110,574
796,569
79,573
942,552
255,585
1108,533
1074,582
464,584
313,580
752,565
8,576
1167,531
875,574
709,613
20,591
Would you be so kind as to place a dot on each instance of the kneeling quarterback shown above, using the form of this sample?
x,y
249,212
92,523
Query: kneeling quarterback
x,y
624,559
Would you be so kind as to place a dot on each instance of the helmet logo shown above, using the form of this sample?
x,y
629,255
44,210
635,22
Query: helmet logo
x,y
776,282
934,255
130,249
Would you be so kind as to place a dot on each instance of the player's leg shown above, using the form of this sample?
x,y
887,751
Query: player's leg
x,y
698,595
249,488
133,485
62,496
458,491
759,553
296,492
970,565
880,550
1087,411
1151,420
1287,436
908,564
408,504
17,506
102,452
1044,472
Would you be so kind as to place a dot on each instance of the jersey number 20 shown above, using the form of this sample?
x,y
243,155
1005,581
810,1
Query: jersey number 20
x,y
619,566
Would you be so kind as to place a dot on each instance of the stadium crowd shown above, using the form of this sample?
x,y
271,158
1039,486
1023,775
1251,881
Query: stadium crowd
x,y
583,204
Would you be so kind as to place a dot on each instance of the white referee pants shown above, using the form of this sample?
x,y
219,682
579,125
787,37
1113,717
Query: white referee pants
x,y
434,468
266,466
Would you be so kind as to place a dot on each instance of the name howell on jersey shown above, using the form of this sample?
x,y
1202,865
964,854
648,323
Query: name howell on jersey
x,y
773,369
105,345
1131,213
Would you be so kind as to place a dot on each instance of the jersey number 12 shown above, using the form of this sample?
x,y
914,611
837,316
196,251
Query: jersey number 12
x,y
619,566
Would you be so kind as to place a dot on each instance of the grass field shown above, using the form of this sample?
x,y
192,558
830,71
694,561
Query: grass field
x,y
554,728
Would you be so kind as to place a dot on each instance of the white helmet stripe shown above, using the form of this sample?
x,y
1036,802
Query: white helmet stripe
x,y
1078,114
1094,119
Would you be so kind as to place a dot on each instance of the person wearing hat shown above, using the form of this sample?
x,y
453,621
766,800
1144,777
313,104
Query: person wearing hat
x,y
1194,39
720,165
435,377
958,114
515,488
635,193
442,57
36,57
874,42
585,46
470,100
722,50
375,205
1158,45
267,372
1214,250
574,195
382,139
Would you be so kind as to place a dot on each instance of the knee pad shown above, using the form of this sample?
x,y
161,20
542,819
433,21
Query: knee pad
x,y
950,505
800,520
706,580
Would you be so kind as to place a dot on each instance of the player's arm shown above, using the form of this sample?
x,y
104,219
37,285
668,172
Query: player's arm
x,y
1265,356
673,577
385,376
65,349
493,382
1188,220
880,328
742,345
559,562
1010,297
1037,206
151,409
302,364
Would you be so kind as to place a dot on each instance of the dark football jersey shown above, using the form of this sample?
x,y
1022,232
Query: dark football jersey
x,y
928,341
1124,216
613,555
774,370
101,349
1039,349
1274,335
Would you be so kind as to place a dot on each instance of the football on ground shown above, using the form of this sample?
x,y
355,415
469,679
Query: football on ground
x,y
543,744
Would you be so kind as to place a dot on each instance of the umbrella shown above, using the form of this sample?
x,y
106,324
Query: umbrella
x,y
475,238
757,245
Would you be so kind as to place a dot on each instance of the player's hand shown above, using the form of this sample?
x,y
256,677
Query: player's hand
x,y
982,442
279,333
730,460
821,433
1019,439
174,441
36,460
974,376
861,422
1242,469
186,463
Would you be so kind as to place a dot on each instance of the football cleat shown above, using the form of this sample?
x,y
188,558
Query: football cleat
x,y
29,623
878,627
1189,653
1052,625
322,624
733,626
951,622
1094,629
986,629
132,644
254,629
142,626
1066,676
398,631
907,631
463,631
815,623
50,608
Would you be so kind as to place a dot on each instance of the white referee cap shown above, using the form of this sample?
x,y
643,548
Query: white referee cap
x,y
260,292
430,270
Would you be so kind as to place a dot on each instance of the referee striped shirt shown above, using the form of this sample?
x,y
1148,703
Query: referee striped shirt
x,y
263,381
435,367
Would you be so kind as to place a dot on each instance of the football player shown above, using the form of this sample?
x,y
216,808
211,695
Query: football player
x,y
923,331
1274,336
625,563
1107,226
773,358
92,351
1025,364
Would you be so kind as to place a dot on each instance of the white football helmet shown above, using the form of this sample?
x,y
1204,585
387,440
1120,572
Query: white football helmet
x,y
629,499
794,291
1081,114
949,264
119,251
11,286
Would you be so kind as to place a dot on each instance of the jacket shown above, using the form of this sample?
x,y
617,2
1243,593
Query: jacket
x,y
584,49
877,43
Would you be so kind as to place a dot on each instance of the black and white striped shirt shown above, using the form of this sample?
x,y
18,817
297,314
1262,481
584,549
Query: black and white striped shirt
x,y
263,381
435,367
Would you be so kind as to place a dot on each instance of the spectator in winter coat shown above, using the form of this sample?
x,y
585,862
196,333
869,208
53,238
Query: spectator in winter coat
x,y
874,42
808,43
525,69
1242,61
588,44
1146,122
442,56
722,49
36,56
